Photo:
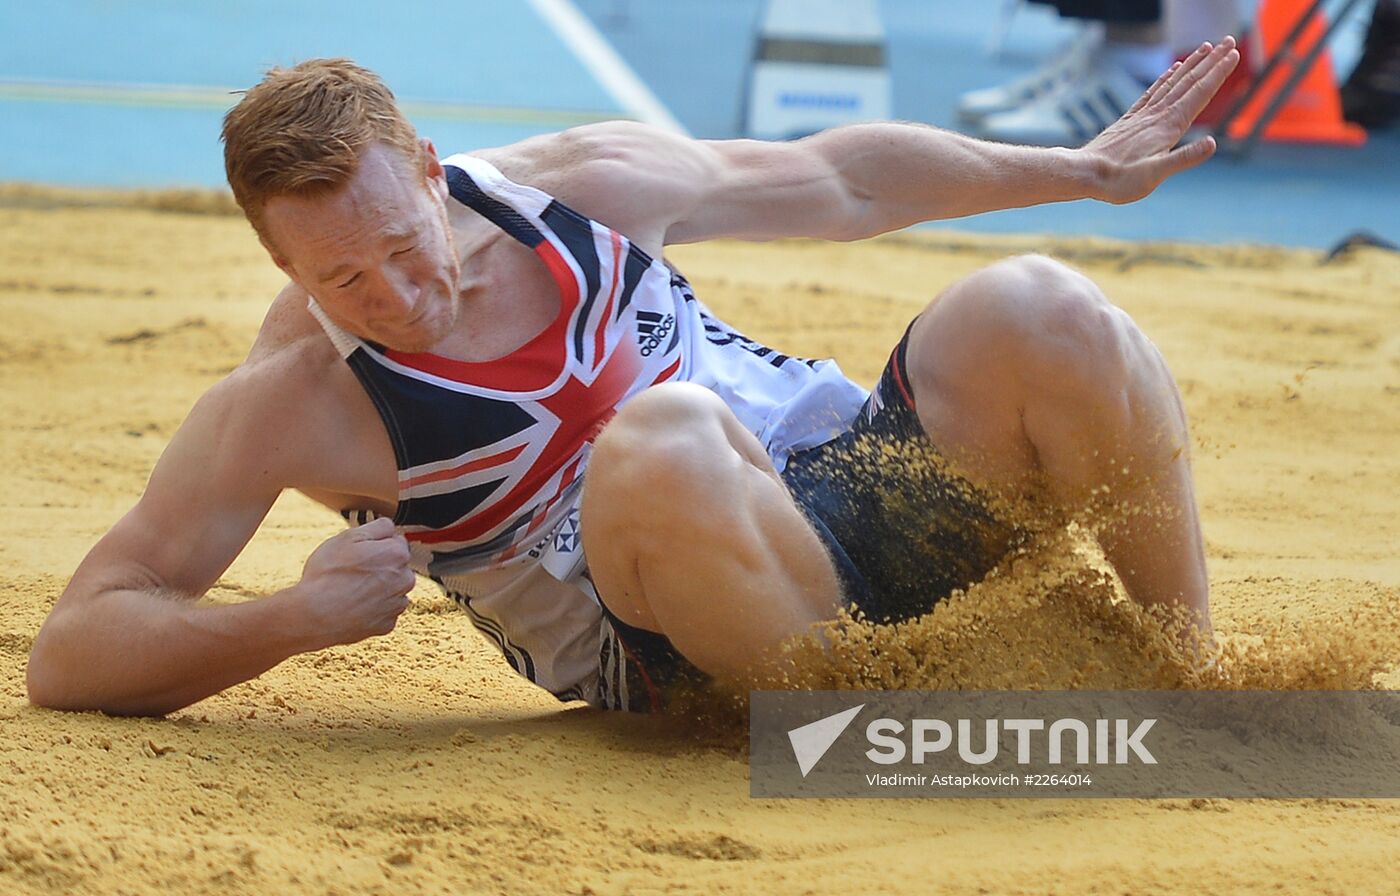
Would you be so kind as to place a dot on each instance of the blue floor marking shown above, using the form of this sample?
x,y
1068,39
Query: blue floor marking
x,y
1285,194
484,54
503,76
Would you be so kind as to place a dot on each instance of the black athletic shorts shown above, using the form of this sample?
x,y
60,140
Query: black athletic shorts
x,y
902,533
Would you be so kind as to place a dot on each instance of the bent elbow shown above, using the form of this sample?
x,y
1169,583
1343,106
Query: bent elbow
x,y
43,681
861,218
55,677
51,688
48,679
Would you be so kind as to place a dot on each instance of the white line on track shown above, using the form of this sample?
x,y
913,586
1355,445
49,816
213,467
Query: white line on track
x,y
599,57
187,96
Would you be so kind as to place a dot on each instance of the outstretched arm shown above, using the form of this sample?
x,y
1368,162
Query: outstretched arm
x,y
862,180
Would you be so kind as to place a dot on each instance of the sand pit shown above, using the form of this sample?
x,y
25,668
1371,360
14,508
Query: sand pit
x,y
419,763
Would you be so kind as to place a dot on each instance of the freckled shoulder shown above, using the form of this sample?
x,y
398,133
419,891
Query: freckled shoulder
x,y
287,322
303,395
608,171
292,357
292,374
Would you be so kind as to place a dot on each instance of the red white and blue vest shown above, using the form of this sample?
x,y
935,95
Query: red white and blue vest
x,y
491,456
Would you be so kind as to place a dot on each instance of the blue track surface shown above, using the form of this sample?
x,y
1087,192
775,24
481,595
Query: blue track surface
x,y
492,72
693,53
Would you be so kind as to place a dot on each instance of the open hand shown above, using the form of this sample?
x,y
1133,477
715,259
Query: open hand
x,y
1140,150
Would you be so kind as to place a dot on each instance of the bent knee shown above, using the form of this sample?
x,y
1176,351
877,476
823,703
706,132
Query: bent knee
x,y
663,431
1048,324
663,409
669,446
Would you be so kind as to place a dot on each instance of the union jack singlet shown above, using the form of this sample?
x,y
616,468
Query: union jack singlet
x,y
491,456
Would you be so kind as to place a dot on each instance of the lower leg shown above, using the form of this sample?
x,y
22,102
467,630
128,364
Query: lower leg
x,y
1140,49
1134,32
1189,23
1029,380
1127,476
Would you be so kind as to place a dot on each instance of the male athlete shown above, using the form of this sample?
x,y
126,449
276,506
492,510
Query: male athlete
x,y
484,364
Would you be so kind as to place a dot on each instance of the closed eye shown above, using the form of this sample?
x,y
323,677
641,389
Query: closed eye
x,y
413,248
352,279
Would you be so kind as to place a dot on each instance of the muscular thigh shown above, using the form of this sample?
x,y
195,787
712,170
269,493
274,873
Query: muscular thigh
x,y
1003,352
966,399
687,526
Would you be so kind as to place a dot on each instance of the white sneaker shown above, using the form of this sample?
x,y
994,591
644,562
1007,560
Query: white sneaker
x,y
1073,113
1065,66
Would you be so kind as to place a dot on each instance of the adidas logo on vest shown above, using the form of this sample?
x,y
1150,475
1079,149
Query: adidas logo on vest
x,y
652,329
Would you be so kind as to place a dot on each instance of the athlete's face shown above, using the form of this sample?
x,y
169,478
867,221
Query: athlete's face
x,y
376,254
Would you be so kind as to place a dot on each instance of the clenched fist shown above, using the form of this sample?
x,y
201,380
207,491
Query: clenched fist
x,y
356,584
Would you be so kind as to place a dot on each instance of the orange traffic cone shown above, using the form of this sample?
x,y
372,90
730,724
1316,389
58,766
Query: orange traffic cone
x,y
1313,112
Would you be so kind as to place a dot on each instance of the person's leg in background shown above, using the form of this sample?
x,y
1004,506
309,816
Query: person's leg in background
x,y
1064,66
1371,96
1093,82
1189,23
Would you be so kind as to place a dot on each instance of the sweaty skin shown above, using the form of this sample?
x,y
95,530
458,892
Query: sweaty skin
x,y
389,258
